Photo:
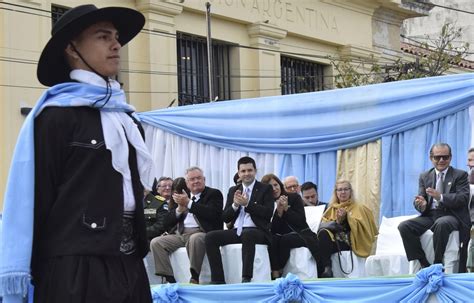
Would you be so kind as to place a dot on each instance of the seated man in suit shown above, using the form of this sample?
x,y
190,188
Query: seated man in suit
x,y
192,217
249,207
291,184
443,203
470,165
309,193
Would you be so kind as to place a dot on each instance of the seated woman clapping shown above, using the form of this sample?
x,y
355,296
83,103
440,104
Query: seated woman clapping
x,y
346,225
289,228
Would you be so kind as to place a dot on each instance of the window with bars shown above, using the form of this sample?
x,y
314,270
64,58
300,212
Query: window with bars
x,y
193,78
300,76
56,12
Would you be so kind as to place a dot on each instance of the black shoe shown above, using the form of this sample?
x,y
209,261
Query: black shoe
x,y
424,263
170,279
246,280
217,282
327,273
193,281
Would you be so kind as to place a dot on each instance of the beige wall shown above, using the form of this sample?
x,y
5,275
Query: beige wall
x,y
316,28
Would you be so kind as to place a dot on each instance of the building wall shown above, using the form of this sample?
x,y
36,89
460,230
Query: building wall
x,y
310,29
419,28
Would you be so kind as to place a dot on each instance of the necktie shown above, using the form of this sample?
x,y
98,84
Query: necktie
x,y
439,183
439,186
241,217
181,222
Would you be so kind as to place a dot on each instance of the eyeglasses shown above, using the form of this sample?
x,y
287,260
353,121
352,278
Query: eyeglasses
x,y
294,186
439,157
340,190
164,186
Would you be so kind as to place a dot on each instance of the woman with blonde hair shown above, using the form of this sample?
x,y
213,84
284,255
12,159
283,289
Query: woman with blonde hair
x,y
346,225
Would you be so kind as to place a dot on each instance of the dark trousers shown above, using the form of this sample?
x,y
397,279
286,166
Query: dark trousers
x,y
327,247
440,224
280,247
92,279
249,237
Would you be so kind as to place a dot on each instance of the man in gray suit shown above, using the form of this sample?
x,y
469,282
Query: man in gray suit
x,y
442,200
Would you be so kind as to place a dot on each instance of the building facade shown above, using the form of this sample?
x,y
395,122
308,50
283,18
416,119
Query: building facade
x,y
459,13
260,48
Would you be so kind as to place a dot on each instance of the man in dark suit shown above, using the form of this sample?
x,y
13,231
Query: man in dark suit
x,y
470,166
443,203
249,209
309,193
193,217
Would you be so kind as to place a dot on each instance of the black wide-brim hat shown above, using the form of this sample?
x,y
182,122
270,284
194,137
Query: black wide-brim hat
x,y
52,65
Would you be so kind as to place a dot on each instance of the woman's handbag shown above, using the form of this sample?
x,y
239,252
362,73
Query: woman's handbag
x,y
339,235
332,226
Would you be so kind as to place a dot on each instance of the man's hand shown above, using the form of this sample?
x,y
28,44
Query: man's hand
x,y
420,203
433,193
182,200
240,199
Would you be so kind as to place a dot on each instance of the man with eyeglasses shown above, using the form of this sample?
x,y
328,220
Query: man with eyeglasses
x,y
156,207
442,200
191,217
291,184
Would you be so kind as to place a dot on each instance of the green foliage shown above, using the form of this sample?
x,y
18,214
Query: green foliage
x,y
434,58
355,74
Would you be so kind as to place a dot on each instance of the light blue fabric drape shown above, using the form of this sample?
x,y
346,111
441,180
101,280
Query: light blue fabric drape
x,y
446,288
308,129
319,168
406,155
317,122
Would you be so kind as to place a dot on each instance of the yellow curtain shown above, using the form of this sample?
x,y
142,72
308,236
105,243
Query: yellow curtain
x,y
362,166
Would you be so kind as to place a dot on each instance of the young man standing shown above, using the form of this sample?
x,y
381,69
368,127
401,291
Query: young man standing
x,y
78,206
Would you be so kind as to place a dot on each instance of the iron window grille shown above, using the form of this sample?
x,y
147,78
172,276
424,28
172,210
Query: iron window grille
x,y
193,78
300,76
56,12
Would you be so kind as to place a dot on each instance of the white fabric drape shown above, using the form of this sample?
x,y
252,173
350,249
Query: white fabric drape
x,y
173,154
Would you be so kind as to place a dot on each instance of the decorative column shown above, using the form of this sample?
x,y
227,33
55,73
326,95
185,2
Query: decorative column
x,y
263,65
150,74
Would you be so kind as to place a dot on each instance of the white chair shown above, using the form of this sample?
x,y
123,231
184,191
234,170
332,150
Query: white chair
x,y
232,263
390,258
451,255
301,263
354,267
180,264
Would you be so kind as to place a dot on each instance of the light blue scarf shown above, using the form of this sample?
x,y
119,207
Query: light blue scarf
x,y
16,236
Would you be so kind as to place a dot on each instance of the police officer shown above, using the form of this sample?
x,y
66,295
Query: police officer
x,y
156,207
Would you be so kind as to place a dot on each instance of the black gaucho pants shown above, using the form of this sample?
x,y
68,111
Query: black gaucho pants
x,y
92,279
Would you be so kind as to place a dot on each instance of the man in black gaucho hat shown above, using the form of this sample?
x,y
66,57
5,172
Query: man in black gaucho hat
x,y
73,221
